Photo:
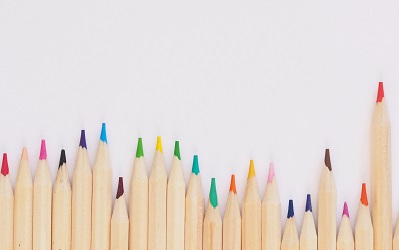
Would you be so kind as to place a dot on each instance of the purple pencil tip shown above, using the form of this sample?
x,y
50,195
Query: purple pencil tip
x,y
83,139
345,211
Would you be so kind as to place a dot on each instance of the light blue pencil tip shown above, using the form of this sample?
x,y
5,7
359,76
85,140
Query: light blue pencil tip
x,y
103,136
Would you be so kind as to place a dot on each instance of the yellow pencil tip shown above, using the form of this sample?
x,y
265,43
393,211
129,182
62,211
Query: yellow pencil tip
x,y
159,144
251,171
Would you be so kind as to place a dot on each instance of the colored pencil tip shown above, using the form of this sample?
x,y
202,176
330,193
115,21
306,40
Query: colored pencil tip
x,y
380,94
103,135
24,155
271,173
43,151
4,165
327,160
363,198
140,151
251,171
120,191
177,150
233,184
62,158
159,144
213,196
345,210
195,168
290,209
82,142
308,203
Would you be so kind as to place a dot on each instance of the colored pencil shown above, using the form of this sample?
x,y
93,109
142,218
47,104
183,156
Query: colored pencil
x,y
6,207
62,208
194,210
251,213
232,220
290,236
176,203
327,221
308,238
82,187
396,237
120,221
138,202
381,180
157,201
23,205
42,194
102,196
345,235
212,238
271,214
363,227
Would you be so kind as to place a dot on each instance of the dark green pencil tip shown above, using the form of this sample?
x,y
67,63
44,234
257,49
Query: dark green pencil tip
x,y
177,150
139,151
213,196
195,168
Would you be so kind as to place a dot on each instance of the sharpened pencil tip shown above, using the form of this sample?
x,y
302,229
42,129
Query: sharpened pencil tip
x,y
139,150
62,158
159,144
380,94
271,173
103,135
233,184
195,168
177,150
363,198
120,191
327,160
290,209
24,155
82,142
43,151
4,165
251,171
308,203
213,196
345,210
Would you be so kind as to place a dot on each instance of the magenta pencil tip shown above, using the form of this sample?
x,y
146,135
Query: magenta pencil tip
x,y
345,210
271,173
4,165
43,151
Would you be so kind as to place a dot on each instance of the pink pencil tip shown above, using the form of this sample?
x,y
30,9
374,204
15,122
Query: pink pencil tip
x,y
380,94
24,155
4,165
346,211
271,173
43,151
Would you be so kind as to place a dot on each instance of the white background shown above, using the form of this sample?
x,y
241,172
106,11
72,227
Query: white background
x,y
267,80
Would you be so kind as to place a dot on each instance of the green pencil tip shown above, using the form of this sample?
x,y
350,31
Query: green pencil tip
x,y
139,151
177,150
213,196
195,168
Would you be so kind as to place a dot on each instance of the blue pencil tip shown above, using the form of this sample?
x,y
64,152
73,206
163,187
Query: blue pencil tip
x,y
103,136
83,139
308,204
290,209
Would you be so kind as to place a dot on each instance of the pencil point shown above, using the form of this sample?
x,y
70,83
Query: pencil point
x,y
363,198
380,94
177,150
4,165
195,168
213,197
43,151
251,171
308,203
159,144
62,158
120,191
290,209
82,142
345,210
103,136
271,173
139,150
24,155
233,184
327,160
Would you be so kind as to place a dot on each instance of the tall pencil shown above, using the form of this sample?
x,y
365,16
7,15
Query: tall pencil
x,y
212,238
271,214
345,235
138,202
363,227
23,205
62,207
176,203
308,238
42,193
120,221
157,201
82,187
6,207
290,236
194,210
102,196
381,179
232,220
327,223
251,213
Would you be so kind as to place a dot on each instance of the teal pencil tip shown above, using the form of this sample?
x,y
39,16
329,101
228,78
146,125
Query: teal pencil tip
x,y
195,168
103,136
213,196
139,151
177,150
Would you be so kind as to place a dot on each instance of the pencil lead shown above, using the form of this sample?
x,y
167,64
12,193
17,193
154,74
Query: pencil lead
x,y
327,160
308,203
82,142
159,144
251,171
233,184
271,173
24,155
380,94
62,158
120,191
103,136
290,209
140,151
345,210
213,196
4,165
195,168
363,198
177,150
43,151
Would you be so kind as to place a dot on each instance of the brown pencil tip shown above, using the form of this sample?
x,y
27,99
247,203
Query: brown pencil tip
x,y
327,160
233,184
120,191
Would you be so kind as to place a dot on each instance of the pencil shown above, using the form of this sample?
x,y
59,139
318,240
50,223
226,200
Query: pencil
x,y
345,236
381,180
23,205
396,237
232,220
120,221
102,196
308,238
138,202
6,207
327,221
290,236
157,201
363,226
82,184
194,210
271,214
42,194
176,203
212,238
251,213
62,208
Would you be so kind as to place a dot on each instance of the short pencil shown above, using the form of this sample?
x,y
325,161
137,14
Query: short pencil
x,y
120,221
212,236
6,207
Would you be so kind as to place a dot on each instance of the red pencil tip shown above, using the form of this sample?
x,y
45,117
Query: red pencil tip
x,y
233,184
363,198
4,165
380,94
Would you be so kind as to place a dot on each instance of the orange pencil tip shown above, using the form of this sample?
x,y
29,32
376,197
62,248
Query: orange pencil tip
x,y
363,198
233,184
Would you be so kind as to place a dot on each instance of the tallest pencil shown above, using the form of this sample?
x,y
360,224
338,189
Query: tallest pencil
x,y
381,180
